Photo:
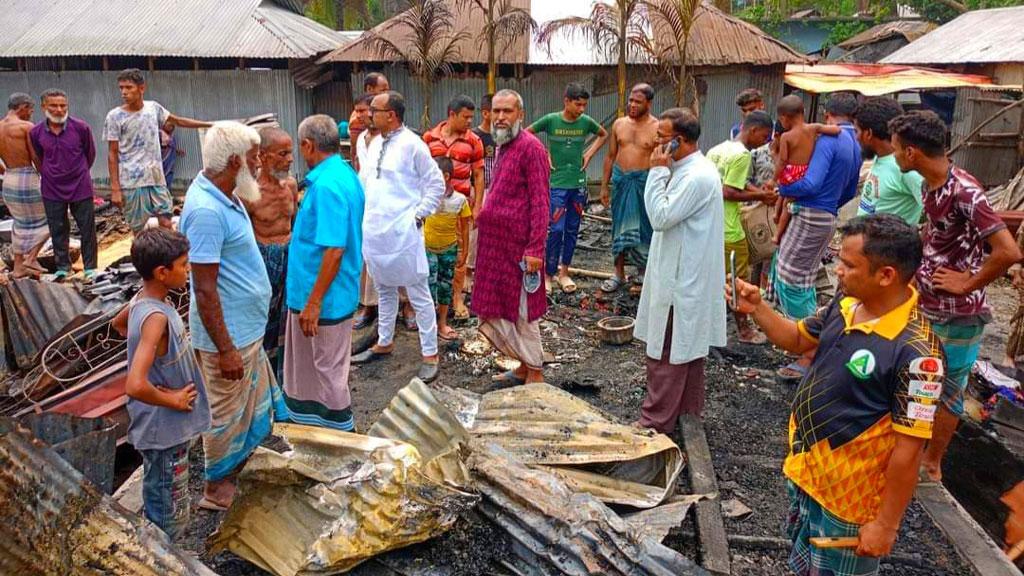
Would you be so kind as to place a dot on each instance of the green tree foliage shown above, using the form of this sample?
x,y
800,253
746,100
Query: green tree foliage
x,y
945,11
347,14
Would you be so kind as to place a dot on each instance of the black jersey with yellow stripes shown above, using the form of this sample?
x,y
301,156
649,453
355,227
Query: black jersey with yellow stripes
x,y
868,382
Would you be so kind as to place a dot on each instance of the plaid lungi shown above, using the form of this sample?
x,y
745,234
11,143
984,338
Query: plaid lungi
x,y
803,245
142,203
24,200
807,519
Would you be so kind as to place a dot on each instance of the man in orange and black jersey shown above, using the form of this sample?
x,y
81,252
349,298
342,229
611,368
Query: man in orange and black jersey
x,y
864,410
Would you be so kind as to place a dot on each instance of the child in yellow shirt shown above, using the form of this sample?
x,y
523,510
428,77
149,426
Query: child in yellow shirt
x,y
446,235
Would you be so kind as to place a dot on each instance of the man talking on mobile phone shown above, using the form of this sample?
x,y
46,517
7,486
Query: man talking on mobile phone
x,y
681,314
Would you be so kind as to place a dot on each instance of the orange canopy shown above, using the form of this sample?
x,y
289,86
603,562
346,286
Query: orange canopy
x,y
876,79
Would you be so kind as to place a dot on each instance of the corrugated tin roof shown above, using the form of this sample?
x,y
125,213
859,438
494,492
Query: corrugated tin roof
x,y
185,28
909,29
979,36
717,40
56,522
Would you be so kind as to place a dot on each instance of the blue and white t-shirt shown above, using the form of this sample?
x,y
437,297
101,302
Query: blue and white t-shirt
x,y
137,134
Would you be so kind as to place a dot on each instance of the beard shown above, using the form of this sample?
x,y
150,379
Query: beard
x,y
246,186
504,135
56,119
278,174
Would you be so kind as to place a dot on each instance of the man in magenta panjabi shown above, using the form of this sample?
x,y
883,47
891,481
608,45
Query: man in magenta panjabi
x,y
512,229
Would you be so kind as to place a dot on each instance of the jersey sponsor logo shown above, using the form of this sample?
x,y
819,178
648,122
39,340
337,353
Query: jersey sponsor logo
x,y
922,412
925,390
861,364
926,366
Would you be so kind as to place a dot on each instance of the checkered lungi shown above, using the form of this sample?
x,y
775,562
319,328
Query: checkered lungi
x,y
807,519
24,200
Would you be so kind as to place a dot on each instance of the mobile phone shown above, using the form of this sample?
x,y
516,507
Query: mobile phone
x,y
732,277
671,147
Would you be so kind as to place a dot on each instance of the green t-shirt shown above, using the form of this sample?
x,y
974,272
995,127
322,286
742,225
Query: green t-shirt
x,y
566,141
888,190
734,163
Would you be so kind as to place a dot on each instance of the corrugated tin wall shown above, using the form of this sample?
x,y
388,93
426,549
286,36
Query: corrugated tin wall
x,y
992,161
204,95
542,93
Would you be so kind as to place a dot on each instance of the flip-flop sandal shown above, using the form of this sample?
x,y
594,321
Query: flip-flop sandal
x,y
509,376
207,504
453,335
567,285
612,284
791,371
461,314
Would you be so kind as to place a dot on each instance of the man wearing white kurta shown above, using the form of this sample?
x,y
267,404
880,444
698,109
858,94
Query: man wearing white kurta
x,y
680,315
403,186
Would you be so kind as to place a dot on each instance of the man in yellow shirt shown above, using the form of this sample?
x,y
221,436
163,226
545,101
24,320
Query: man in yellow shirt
x,y
864,410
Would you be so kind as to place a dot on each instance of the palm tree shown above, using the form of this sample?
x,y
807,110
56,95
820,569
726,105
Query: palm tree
x,y
503,25
675,19
422,37
619,29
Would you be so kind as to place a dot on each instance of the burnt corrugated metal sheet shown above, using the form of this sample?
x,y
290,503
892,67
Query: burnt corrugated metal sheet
x,y
909,29
185,28
35,312
542,426
332,501
561,532
56,523
975,37
205,94
717,39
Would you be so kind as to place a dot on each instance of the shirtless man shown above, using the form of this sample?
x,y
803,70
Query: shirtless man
x,y
625,167
272,214
21,189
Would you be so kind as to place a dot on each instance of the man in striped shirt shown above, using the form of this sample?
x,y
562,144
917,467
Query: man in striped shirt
x,y
454,139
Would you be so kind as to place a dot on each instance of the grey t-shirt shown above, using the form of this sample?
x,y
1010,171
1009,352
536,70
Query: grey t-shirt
x,y
156,427
140,162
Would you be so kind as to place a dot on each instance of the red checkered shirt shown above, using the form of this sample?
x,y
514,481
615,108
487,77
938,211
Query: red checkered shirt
x,y
960,218
466,153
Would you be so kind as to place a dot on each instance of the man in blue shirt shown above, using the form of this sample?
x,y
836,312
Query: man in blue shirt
x,y
830,182
229,305
322,288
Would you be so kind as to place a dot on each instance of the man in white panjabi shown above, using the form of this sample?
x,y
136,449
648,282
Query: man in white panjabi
x,y
403,186
680,315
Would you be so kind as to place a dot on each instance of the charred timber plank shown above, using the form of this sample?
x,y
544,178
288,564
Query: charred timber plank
x,y
967,536
714,546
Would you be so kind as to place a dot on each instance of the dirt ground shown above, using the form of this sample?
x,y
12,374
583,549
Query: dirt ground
x,y
745,419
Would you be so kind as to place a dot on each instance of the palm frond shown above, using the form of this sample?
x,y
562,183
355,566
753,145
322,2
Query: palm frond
x,y
509,24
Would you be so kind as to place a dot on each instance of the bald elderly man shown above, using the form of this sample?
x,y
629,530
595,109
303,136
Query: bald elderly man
x,y
271,214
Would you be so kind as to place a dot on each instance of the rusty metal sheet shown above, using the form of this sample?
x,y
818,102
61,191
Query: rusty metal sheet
x,y
35,312
334,500
545,426
657,522
559,531
88,444
57,523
